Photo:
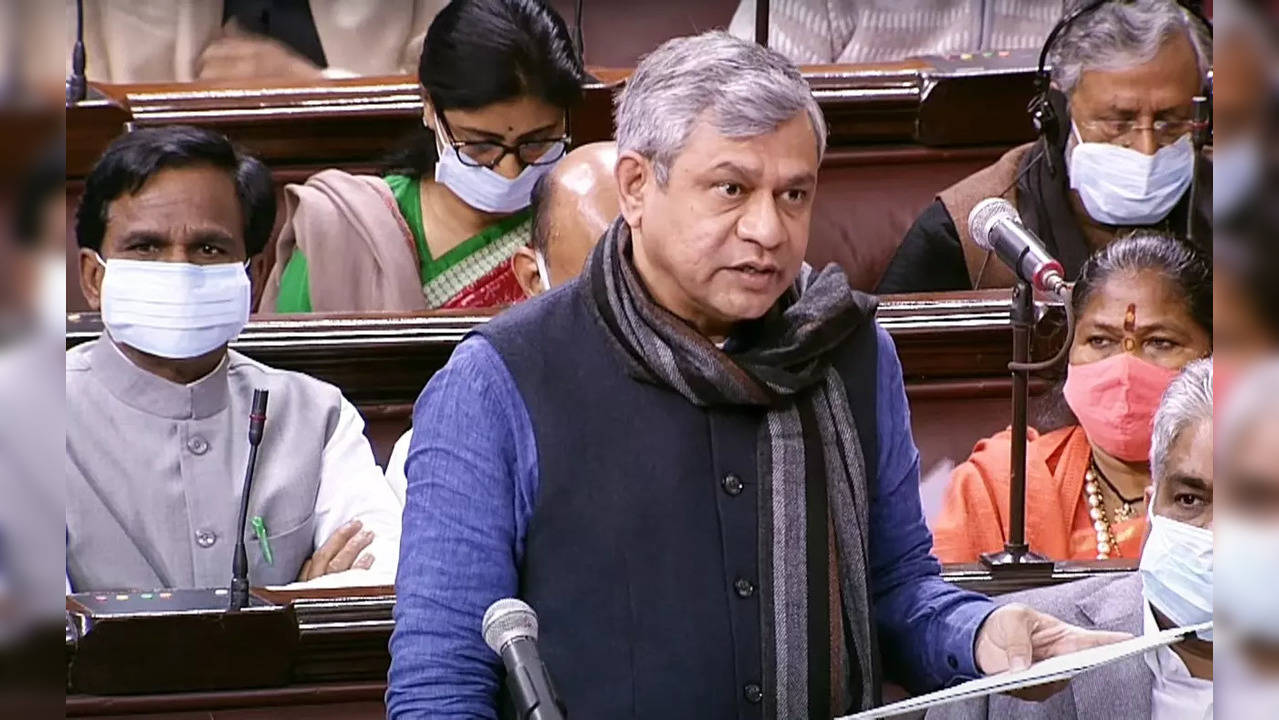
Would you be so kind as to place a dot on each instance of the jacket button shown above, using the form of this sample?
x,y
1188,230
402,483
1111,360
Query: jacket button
x,y
206,538
754,694
198,445
744,588
732,484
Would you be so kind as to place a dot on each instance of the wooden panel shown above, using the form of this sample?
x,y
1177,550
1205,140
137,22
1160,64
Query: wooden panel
x,y
951,345
935,102
954,350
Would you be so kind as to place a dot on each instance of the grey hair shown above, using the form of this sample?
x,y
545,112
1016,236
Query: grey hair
x,y
1186,403
1125,34
1251,400
743,89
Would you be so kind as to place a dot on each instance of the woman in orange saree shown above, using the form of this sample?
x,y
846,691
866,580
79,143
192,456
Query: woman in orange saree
x,y
1144,310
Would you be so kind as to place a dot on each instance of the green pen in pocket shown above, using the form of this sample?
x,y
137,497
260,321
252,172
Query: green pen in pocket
x,y
259,529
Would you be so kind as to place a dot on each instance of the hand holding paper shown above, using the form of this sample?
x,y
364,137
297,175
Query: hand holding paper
x,y
1015,636
1053,671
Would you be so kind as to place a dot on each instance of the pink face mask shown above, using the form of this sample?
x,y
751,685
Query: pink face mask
x,y
1115,401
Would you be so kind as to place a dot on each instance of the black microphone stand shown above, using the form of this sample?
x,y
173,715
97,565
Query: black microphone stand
x,y
240,562
761,22
77,85
1017,552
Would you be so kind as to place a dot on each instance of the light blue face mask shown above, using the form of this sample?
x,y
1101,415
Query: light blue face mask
x,y
1235,169
1176,572
174,310
1122,186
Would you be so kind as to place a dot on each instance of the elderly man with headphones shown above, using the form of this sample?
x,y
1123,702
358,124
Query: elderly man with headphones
x,y
1115,115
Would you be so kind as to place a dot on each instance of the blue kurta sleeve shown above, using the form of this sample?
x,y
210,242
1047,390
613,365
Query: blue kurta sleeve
x,y
927,626
472,480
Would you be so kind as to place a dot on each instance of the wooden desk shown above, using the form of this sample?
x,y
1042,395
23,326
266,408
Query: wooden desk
x,y
347,701
342,656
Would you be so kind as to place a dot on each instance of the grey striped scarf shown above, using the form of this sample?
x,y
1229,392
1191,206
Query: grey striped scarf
x,y
781,362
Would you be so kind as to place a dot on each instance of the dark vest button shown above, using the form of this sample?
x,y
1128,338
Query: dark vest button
x,y
754,694
732,484
744,588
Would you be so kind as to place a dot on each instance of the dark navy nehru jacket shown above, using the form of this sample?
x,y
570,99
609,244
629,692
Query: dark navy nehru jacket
x,y
627,518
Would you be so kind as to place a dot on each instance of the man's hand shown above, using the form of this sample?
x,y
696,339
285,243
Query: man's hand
x,y
1014,636
340,552
241,55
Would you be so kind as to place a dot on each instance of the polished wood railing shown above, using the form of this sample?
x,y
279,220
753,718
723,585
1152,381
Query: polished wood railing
x,y
932,102
950,345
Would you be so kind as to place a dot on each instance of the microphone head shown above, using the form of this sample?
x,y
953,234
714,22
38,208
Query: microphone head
x,y
506,620
984,216
259,401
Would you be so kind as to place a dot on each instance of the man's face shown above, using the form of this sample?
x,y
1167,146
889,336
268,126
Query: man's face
x,y
727,235
1121,106
1250,473
1184,493
187,215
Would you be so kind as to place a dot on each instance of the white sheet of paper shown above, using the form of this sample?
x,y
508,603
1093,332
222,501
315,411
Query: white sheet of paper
x,y
1046,671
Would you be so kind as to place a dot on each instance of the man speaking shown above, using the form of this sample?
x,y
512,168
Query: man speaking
x,y
695,461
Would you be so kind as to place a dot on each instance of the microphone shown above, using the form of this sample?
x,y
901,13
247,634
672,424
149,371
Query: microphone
x,y
240,562
77,85
995,226
510,629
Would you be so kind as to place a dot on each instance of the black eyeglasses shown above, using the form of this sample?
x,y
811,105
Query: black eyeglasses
x,y
487,153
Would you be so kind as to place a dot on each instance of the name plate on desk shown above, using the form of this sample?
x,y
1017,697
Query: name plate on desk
x,y
176,641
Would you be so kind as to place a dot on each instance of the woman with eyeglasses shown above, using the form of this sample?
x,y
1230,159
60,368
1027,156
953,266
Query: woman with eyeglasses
x,y
498,79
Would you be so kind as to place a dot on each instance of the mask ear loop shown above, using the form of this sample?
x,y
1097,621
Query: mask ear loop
x,y
544,273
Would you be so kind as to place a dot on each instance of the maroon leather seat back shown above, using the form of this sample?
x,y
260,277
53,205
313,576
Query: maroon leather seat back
x,y
868,199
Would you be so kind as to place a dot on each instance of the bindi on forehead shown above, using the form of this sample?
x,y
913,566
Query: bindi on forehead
x,y
1130,327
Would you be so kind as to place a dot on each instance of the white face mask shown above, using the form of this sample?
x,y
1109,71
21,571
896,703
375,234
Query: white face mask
x,y
174,310
542,271
1246,577
1235,170
1176,572
482,188
1122,186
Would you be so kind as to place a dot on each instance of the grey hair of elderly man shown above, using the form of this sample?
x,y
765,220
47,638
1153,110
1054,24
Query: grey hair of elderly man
x,y
1186,404
1124,34
702,76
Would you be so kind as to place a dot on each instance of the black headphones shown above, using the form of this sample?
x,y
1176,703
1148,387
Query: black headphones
x,y
1043,114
